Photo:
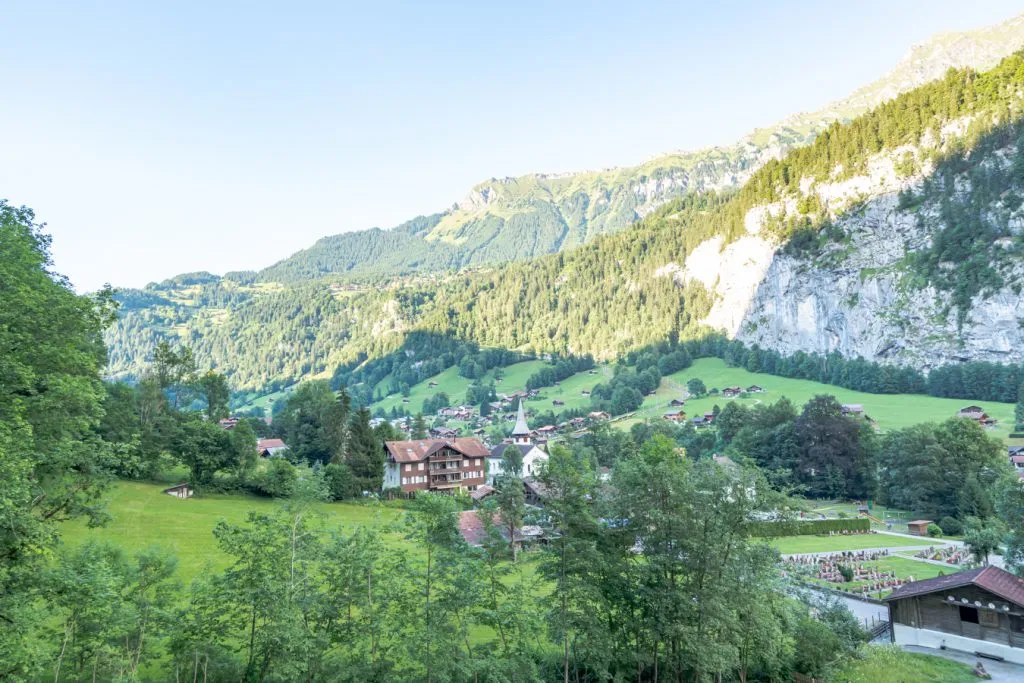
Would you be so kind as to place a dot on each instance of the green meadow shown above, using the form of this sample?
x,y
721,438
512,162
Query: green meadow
x,y
142,516
889,411
792,545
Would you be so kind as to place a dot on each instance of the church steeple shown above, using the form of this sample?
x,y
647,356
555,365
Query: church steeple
x,y
521,432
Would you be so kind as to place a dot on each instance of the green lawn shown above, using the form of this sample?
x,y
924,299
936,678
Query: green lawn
x,y
890,664
890,411
143,516
570,391
791,545
513,378
266,401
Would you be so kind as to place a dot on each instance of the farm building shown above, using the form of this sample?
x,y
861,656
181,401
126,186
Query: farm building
x,y
676,403
980,611
854,409
271,448
976,413
919,527
755,389
674,416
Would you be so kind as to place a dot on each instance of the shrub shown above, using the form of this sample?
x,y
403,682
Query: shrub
x,y
934,531
809,527
951,526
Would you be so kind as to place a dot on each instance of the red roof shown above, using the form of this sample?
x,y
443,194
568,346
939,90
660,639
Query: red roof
x,y
421,449
471,526
993,579
1017,459
270,443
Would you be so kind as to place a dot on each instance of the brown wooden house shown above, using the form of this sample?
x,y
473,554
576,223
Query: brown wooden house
x,y
979,611
435,465
919,527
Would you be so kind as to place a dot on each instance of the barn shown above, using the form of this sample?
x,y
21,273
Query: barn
x,y
979,611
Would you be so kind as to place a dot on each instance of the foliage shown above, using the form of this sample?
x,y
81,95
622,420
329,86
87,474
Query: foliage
x,y
806,527
53,464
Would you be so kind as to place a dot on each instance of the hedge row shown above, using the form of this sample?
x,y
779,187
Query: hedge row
x,y
1017,435
807,527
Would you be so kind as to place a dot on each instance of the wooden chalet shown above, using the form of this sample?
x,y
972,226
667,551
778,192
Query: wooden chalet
x,y
674,416
435,465
980,611
676,403
976,413
854,409
730,392
755,389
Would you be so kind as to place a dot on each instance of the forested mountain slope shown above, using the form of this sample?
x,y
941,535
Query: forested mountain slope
x,y
505,219
896,237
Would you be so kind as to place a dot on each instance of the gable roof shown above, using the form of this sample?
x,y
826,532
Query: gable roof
x,y
499,450
993,579
263,444
421,449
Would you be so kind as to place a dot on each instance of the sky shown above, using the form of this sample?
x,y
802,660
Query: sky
x,y
161,138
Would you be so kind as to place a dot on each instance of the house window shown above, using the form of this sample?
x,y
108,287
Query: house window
x,y
419,466
408,467
405,481
969,615
990,619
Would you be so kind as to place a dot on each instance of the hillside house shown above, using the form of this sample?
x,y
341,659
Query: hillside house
x,y
472,530
435,465
557,402
676,403
852,409
674,416
755,389
732,392
980,611
271,448
599,415
976,413
443,432
228,423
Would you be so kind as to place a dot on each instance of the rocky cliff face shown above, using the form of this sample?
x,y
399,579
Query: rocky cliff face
x,y
859,295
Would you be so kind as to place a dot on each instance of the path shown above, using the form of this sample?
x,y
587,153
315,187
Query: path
x,y
994,560
1001,672
861,550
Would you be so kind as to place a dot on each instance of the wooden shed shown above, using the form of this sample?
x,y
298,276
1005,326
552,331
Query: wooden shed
x,y
919,527
979,611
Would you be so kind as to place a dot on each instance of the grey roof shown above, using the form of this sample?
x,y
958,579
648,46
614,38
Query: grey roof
x,y
521,428
499,450
993,579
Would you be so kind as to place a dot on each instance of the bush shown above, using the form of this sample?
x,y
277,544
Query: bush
x,y
809,527
934,531
278,480
951,526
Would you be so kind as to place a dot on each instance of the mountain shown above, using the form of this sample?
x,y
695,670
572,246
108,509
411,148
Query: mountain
x,y
509,219
896,236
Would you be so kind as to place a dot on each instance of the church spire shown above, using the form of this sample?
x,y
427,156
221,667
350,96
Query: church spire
x,y
521,432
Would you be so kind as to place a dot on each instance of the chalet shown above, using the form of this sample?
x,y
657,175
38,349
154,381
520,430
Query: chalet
x,y
431,384
227,423
180,491
443,432
731,392
854,409
977,414
709,417
585,393
271,448
599,415
472,530
556,402
674,416
546,430
1017,461
755,389
919,527
482,492
676,403
980,611
699,421
435,465
577,422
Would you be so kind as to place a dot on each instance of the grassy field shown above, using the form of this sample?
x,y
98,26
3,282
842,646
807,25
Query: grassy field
x,y
890,664
890,411
513,378
266,401
791,545
143,516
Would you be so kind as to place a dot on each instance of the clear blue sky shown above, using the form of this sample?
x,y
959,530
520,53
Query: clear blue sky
x,y
220,136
